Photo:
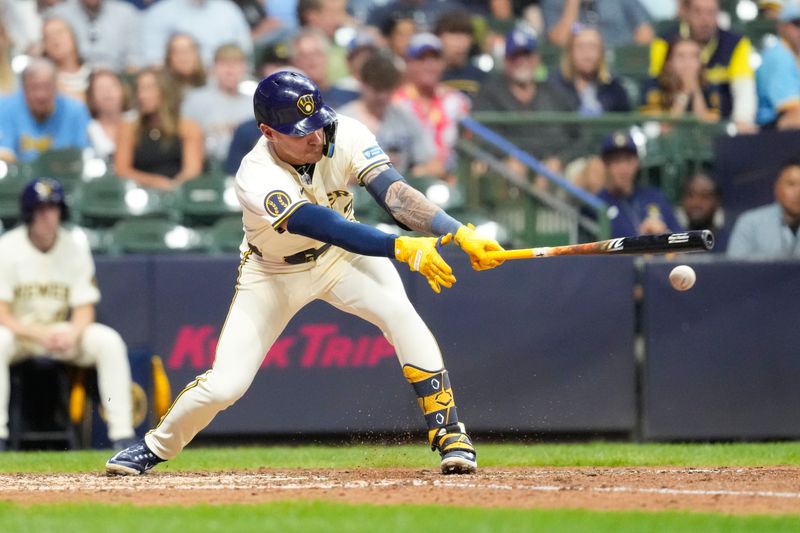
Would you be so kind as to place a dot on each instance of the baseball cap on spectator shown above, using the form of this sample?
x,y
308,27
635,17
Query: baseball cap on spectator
x,y
361,41
422,43
790,11
618,141
273,52
518,41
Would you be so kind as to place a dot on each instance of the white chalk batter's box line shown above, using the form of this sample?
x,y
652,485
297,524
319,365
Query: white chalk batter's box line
x,y
63,483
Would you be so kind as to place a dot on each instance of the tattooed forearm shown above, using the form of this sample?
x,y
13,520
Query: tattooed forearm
x,y
410,207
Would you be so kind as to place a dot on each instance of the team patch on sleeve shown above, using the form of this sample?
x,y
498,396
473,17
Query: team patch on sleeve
x,y
276,203
372,151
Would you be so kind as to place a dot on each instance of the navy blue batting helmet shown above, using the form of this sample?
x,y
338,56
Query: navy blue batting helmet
x,y
42,191
290,103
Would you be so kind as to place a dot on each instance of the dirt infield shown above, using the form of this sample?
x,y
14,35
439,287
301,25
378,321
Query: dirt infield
x,y
727,490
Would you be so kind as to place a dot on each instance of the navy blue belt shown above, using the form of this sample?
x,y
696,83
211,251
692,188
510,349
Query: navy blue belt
x,y
306,256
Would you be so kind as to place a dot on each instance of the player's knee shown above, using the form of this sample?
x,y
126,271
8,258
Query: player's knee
x,y
226,393
103,339
397,311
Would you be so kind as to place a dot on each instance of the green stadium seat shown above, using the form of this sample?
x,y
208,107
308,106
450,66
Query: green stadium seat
x,y
107,200
99,239
10,189
202,201
550,55
225,235
64,165
756,30
631,61
153,235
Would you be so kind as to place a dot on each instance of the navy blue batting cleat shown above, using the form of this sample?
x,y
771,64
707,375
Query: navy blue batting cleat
x,y
133,460
455,447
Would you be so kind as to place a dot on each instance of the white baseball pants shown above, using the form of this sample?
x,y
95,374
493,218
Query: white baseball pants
x,y
263,304
99,346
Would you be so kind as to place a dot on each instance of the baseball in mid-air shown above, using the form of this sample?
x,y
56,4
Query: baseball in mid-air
x,y
682,278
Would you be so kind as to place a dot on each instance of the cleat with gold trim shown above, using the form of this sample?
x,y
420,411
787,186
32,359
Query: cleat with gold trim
x,y
455,447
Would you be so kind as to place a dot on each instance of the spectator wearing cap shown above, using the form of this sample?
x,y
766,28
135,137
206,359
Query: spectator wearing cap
x,y
516,89
211,23
584,74
309,53
219,107
359,50
621,22
633,209
107,31
725,59
272,57
778,77
438,107
399,132
456,31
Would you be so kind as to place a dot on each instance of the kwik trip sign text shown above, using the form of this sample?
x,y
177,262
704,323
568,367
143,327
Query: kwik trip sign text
x,y
320,345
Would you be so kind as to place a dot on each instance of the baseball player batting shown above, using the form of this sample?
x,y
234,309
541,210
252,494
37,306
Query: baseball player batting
x,y
302,243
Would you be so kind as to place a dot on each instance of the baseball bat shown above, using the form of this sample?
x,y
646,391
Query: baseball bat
x,y
687,241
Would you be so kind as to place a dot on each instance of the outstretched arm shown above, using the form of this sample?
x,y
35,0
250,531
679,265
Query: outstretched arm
x,y
412,210
420,253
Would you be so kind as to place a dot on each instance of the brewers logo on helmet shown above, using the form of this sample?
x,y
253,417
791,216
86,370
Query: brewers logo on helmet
x,y
291,104
42,191
306,104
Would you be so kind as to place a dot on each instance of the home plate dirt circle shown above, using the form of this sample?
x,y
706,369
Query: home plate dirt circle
x,y
727,490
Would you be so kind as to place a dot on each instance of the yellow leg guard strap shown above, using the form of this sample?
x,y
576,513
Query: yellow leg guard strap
x,y
435,397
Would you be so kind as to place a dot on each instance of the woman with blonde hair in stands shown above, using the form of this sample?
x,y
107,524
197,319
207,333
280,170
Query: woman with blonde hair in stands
x,y
585,76
108,100
60,46
183,62
681,88
159,148
8,81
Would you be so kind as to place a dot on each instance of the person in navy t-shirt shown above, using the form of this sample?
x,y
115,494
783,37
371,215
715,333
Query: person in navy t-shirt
x,y
633,209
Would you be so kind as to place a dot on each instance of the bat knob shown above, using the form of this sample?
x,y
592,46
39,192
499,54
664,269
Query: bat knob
x,y
708,239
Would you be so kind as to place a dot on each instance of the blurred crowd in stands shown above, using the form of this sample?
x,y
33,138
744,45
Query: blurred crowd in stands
x,y
160,90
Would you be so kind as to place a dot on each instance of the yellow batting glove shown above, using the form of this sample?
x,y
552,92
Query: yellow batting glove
x,y
422,255
477,246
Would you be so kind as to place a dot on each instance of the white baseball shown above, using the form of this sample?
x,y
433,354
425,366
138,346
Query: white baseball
x,y
682,278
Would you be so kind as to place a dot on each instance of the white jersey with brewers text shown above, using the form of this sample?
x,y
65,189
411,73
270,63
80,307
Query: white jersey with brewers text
x,y
271,190
42,286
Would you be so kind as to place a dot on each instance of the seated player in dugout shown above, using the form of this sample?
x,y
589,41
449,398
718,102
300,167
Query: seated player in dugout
x,y
302,243
47,307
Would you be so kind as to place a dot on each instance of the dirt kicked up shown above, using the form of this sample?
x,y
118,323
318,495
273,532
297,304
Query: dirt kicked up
x,y
726,490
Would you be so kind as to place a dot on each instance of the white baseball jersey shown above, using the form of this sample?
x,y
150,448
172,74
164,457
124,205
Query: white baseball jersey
x,y
270,190
42,286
